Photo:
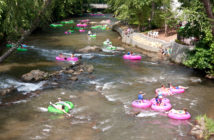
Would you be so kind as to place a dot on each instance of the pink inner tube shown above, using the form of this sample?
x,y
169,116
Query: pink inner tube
x,y
179,116
175,91
81,30
164,107
85,20
82,25
163,92
132,57
68,59
164,100
141,103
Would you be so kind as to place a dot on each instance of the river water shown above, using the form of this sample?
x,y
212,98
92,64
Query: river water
x,y
103,103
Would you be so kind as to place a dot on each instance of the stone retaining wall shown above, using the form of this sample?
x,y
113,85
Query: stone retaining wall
x,y
178,51
141,41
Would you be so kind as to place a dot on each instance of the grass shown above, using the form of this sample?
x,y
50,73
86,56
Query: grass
x,y
209,124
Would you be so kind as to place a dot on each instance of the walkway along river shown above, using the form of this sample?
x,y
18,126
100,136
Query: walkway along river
x,y
103,103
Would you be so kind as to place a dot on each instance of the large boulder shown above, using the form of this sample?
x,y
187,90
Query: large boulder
x,y
35,75
90,49
6,91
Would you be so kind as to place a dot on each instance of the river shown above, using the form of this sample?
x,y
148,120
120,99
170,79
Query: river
x,y
103,103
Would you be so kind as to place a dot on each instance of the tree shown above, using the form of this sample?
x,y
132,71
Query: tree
x,y
198,25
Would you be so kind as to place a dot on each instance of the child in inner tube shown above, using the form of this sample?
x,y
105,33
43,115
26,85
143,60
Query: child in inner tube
x,y
140,96
60,107
62,56
178,87
184,111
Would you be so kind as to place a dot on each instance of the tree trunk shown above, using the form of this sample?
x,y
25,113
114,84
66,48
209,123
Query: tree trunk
x,y
208,8
26,33
166,29
153,10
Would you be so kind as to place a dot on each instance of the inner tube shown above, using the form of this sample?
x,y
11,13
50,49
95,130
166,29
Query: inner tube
x,y
69,32
82,25
9,45
179,116
22,49
93,35
177,90
67,22
94,27
81,30
106,43
132,57
111,48
85,20
141,103
165,92
164,100
162,107
67,108
56,25
67,58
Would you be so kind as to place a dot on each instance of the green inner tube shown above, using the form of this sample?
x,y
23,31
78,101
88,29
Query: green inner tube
x,y
103,28
56,25
70,31
93,35
105,43
78,28
67,22
21,49
94,27
67,105
111,48
9,45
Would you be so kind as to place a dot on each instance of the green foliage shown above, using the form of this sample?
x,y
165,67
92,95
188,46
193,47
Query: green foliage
x,y
16,16
199,26
141,12
209,123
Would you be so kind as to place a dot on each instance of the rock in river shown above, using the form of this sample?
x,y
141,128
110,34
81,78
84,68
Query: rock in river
x,y
90,49
35,75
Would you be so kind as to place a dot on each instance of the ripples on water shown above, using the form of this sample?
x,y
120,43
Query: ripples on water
x,y
104,112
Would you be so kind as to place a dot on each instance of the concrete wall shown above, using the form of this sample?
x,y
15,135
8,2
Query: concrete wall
x,y
141,41
178,51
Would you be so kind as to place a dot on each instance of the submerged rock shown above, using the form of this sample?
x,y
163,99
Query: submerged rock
x,y
89,68
74,78
90,49
35,75
6,91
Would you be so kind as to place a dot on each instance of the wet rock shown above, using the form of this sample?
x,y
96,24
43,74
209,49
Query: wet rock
x,y
6,91
69,71
120,49
91,77
209,76
199,129
54,83
35,75
89,68
74,78
81,70
90,49
76,73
